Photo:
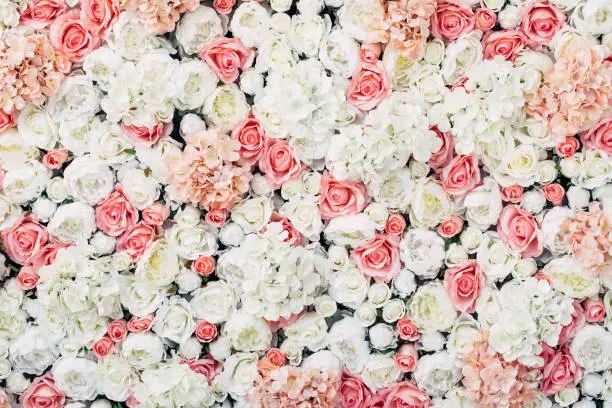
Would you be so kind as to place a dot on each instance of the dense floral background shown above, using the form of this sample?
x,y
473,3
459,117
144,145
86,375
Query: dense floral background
x,y
306,204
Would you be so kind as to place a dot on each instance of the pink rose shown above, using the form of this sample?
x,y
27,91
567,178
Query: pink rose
x,y
116,214
252,137
560,370
376,401
70,37
155,214
117,330
396,224
353,392
540,21
599,136
41,13
7,120
406,358
507,43
407,330
216,217
369,86
27,278
340,198
146,137
47,254
406,394
276,357
99,15
578,321
203,265
513,193
136,240
42,393
554,193
140,324
225,56
24,239
54,159
379,257
567,147
294,237
461,176
520,231
451,20
224,6
485,19
206,366
451,226
205,332
594,310
443,156
279,163
370,52
463,284
103,347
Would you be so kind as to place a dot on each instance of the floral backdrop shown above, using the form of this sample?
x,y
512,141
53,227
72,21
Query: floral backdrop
x,y
306,204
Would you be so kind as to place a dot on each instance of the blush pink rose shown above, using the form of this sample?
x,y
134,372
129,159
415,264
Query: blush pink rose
x,y
206,366
99,15
54,159
443,156
144,136
24,239
396,224
140,324
451,226
338,198
41,13
103,347
599,136
279,163
376,401
461,176
155,214
370,52
7,120
540,21
507,43
117,330
252,137
560,370
451,20
485,19
276,357
224,6
464,283
578,321
406,394
554,193
47,254
71,38
136,240
567,147
520,231
407,330
513,193
353,393
203,265
216,217
42,393
116,214
205,331
27,278
369,86
294,237
225,56
379,257
406,358
594,310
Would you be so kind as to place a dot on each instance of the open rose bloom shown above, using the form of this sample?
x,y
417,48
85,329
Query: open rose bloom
x,y
305,203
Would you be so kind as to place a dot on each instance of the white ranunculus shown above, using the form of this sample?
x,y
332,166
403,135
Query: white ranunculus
x,y
382,336
25,183
109,144
380,371
393,310
247,333
431,308
190,242
495,258
198,28
76,377
483,205
174,320
304,214
422,252
159,265
142,350
567,397
141,188
463,335
253,214
437,373
404,284
195,81
378,294
139,297
89,180
191,349
74,222
226,106
239,371
325,306
461,56
349,287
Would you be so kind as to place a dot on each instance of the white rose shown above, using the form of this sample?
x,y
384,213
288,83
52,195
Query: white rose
x,y
378,294
431,308
578,198
350,230
25,183
309,331
339,53
422,252
363,20
584,403
33,351
306,33
437,373
174,320
280,6
547,172
102,243
195,81
76,96
251,82
393,310
569,277
304,214
250,23
431,340
231,234
567,396
115,377
226,106
596,170
109,144
382,336
275,54
89,180
455,255
239,371
57,189
43,208
430,205
15,151
349,287
471,238
141,189
592,384
404,284
338,257
483,205
102,65
325,306
74,222
142,350
74,133
159,265
593,17
346,340
434,52
380,371
76,377
139,297
551,228
378,213
197,28
366,314
461,56
509,17
393,191
9,213
188,216
253,214
495,258
191,123
220,349
190,242
525,268
592,348
293,350
34,125
463,335
247,333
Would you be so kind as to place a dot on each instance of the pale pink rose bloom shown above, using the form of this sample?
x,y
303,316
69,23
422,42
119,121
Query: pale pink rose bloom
x,y
340,197
102,347
71,38
594,310
379,257
99,15
464,283
461,176
554,193
27,278
353,392
144,136
279,163
252,137
24,239
136,240
451,20
42,393
520,231
406,358
226,56
117,330
560,370
451,226
224,6
155,214
369,86
407,330
567,147
396,224
370,52
599,136
206,366
406,394
7,120
116,214
140,324
54,159
41,13
507,43
513,193
485,19
540,21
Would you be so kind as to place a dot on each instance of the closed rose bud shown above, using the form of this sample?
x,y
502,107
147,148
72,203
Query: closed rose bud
x,y
567,147
594,310
206,332
513,193
203,265
395,224
554,193
103,347
406,358
117,330
450,227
